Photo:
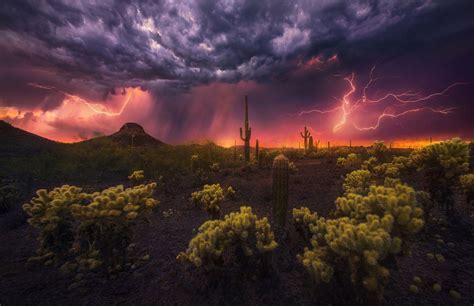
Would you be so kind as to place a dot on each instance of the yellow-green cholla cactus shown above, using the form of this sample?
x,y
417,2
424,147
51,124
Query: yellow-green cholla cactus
x,y
210,198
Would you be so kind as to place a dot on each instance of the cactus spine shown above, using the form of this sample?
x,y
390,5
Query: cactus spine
x,y
305,136
257,149
245,135
280,189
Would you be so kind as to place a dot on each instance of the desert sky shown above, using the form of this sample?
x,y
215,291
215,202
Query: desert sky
x,y
399,71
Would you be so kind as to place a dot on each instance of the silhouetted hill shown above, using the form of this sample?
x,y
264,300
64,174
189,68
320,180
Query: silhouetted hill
x,y
130,133
17,141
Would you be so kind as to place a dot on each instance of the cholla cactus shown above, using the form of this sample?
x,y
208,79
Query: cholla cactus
x,y
50,212
292,167
136,176
194,162
399,202
368,230
358,182
378,150
230,192
441,165
467,184
242,229
370,164
215,167
210,198
100,223
352,161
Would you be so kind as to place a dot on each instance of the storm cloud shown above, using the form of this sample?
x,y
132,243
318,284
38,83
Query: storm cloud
x,y
91,48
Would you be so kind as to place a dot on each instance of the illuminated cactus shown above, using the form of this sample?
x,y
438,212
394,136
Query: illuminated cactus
x,y
441,165
246,133
280,189
136,176
257,150
306,134
210,198
240,231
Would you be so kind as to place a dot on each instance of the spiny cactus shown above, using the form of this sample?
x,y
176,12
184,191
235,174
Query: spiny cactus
x,y
246,133
240,231
280,189
305,134
194,163
257,150
98,224
442,164
136,176
211,198
467,184
358,181
311,144
351,162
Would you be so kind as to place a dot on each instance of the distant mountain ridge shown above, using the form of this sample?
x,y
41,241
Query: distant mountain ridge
x,y
17,141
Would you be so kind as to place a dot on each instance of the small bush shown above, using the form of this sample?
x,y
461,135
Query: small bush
x,y
241,232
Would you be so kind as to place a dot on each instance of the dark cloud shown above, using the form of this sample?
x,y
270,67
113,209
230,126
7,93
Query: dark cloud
x,y
90,47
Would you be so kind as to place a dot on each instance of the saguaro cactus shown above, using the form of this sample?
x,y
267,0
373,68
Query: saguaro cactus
x,y
246,134
280,189
311,144
305,136
257,149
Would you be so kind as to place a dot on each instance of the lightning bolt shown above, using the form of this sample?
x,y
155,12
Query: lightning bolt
x,y
348,107
92,106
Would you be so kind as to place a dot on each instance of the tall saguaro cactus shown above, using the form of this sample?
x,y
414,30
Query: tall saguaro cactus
x,y
280,189
257,149
305,136
246,134
311,144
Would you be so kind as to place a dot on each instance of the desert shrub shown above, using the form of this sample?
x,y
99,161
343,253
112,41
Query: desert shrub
x,y
240,232
88,230
210,198
136,176
50,212
351,162
358,243
467,184
9,196
379,151
358,181
441,165
342,151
